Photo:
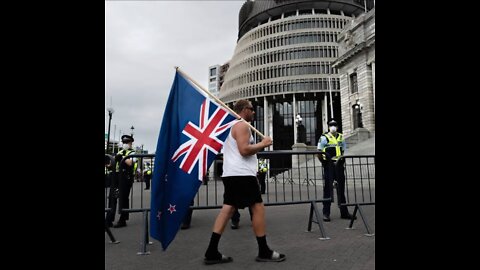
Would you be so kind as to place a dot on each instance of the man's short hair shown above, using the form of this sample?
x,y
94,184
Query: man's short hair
x,y
240,105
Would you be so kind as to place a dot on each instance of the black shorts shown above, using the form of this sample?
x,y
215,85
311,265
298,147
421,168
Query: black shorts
x,y
241,191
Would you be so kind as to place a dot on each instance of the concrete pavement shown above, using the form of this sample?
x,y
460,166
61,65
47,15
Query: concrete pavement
x,y
286,232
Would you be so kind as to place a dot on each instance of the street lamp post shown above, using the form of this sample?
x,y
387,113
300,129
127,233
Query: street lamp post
x,y
132,128
114,134
110,113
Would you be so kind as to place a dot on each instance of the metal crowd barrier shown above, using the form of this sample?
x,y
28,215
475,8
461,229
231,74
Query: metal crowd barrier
x,y
359,185
293,177
141,203
139,198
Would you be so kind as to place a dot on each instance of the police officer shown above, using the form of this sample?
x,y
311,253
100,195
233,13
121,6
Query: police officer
x,y
147,176
333,144
262,173
122,182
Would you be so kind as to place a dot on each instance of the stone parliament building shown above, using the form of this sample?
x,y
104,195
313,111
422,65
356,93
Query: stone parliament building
x,y
302,63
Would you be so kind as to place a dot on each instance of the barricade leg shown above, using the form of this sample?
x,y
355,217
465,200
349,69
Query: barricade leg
x,y
365,222
357,207
353,217
314,209
145,238
310,218
107,230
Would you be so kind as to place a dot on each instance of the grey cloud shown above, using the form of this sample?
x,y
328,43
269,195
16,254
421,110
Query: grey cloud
x,y
144,40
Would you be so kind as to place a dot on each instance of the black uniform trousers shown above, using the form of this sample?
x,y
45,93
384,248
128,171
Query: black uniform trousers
x,y
261,180
334,170
147,178
119,191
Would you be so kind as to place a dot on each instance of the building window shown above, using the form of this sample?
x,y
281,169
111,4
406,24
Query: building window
x,y
213,71
305,12
289,14
353,83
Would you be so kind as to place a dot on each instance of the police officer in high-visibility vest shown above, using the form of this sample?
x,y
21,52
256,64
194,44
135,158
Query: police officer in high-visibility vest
x,y
123,178
147,175
333,144
262,173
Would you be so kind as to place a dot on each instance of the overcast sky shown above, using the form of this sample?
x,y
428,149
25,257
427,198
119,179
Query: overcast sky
x,y
144,40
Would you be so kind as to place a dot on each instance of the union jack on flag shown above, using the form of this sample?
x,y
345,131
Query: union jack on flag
x,y
193,131
203,138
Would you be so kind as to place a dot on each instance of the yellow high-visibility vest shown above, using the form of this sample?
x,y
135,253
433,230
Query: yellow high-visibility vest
x,y
333,146
123,153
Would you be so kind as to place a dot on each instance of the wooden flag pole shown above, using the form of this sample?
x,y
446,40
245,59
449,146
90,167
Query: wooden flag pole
x,y
218,100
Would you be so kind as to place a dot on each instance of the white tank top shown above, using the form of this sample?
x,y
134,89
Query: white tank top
x,y
235,164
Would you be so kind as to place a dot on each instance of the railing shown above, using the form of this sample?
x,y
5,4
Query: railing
x,y
359,185
294,177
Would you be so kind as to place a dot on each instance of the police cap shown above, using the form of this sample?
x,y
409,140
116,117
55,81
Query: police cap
x,y
332,123
127,139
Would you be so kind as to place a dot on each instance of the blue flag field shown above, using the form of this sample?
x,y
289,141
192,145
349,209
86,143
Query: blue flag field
x,y
193,131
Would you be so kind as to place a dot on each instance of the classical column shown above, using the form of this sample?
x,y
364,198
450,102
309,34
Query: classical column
x,y
270,124
325,112
373,85
295,133
266,113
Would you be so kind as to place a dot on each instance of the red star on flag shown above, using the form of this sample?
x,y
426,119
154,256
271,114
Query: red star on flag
x,y
172,209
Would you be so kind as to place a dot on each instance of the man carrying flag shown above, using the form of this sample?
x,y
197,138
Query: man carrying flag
x,y
193,131
241,187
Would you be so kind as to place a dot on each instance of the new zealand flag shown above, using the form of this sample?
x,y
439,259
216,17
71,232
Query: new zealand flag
x,y
193,131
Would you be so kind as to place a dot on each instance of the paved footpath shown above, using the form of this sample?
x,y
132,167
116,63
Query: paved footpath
x,y
286,232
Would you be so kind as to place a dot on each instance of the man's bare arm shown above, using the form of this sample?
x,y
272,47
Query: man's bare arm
x,y
241,133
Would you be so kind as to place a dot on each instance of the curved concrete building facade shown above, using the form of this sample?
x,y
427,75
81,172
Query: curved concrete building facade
x,y
283,64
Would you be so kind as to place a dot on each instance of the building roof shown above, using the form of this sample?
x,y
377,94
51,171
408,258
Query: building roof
x,y
254,12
